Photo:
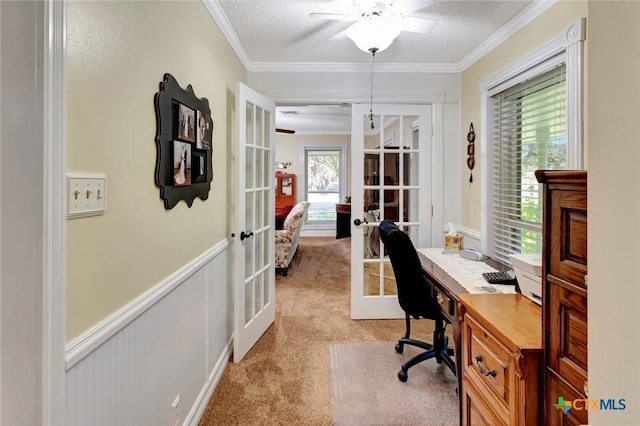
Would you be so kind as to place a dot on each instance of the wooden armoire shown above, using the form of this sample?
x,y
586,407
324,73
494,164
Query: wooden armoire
x,y
564,272
285,190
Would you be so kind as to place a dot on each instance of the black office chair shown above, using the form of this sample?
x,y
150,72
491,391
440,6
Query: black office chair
x,y
416,299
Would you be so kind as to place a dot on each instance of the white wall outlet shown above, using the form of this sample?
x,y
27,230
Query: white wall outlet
x,y
86,194
175,411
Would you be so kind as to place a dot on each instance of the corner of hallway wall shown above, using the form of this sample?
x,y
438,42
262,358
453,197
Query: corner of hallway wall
x,y
543,28
117,53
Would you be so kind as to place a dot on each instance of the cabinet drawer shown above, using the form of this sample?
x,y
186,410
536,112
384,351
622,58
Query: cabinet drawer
x,y
486,361
447,304
476,411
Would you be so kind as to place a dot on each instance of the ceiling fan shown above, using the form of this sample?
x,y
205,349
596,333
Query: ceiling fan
x,y
377,23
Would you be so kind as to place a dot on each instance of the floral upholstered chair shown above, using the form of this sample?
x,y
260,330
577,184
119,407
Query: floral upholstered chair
x,y
288,238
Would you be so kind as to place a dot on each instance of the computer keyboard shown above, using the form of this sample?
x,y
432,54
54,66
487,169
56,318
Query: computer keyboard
x,y
504,278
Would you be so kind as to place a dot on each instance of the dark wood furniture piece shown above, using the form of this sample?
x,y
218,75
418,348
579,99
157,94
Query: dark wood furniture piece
x,y
390,198
285,190
448,293
501,358
343,221
564,292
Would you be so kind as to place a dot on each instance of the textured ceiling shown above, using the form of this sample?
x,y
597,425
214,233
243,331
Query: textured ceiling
x,y
268,34
281,30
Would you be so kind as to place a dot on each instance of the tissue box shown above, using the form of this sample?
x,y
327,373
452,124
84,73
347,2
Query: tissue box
x,y
453,243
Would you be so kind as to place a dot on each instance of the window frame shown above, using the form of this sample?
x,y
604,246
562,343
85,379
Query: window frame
x,y
342,187
567,48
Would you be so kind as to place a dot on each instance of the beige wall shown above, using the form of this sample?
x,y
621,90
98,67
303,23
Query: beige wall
x,y
613,114
291,148
117,55
551,24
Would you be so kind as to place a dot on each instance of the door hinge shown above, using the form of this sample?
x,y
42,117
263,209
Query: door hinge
x,y
431,131
432,210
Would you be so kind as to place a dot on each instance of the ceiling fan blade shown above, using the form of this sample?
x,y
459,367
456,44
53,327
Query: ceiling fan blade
x,y
407,7
418,25
339,36
333,16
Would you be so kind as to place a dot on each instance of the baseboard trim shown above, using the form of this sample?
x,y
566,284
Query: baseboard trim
x,y
200,405
318,233
84,345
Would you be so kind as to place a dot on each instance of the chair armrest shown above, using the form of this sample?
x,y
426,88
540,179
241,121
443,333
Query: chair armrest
x,y
283,236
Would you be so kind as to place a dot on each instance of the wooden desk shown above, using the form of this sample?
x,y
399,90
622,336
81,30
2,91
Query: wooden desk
x,y
498,315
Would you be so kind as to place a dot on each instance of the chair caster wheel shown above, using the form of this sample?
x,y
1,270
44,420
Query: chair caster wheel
x,y
402,375
399,348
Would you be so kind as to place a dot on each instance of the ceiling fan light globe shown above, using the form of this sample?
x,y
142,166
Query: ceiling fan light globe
x,y
373,34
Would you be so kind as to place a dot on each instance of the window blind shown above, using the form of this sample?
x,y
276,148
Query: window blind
x,y
529,122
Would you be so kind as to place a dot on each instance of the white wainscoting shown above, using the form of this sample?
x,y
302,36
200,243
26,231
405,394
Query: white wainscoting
x,y
472,239
173,340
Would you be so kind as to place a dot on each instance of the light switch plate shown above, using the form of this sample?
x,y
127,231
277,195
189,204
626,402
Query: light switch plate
x,y
86,194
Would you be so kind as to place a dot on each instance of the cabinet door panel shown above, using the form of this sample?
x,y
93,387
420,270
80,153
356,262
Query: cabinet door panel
x,y
568,231
555,416
567,334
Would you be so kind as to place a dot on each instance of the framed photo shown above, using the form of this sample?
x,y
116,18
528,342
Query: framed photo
x,y
199,168
204,130
186,119
181,163
183,170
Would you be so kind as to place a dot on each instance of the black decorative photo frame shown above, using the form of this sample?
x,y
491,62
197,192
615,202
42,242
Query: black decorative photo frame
x,y
184,152
199,167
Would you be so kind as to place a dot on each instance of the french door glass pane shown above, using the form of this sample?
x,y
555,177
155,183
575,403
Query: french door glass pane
x,y
378,279
248,301
259,129
249,168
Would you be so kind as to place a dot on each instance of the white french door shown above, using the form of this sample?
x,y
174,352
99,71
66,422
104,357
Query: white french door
x,y
391,154
253,243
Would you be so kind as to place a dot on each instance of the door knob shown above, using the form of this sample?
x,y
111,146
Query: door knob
x,y
358,222
245,235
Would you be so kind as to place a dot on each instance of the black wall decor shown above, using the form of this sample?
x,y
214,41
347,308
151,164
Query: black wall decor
x,y
184,144
471,151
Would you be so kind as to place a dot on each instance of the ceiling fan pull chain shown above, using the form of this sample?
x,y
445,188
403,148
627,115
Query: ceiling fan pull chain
x,y
373,51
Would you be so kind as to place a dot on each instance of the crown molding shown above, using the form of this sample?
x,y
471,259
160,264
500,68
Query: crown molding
x,y
536,8
220,18
351,67
214,8
284,97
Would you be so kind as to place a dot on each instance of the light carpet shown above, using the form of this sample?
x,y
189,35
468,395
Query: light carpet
x,y
365,389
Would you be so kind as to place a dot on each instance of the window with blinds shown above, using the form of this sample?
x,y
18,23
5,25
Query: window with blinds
x,y
529,121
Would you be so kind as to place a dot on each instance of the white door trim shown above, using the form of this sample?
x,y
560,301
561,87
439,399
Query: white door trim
x,y
54,247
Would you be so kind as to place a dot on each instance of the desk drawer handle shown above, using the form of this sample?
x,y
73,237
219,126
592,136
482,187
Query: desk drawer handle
x,y
484,372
